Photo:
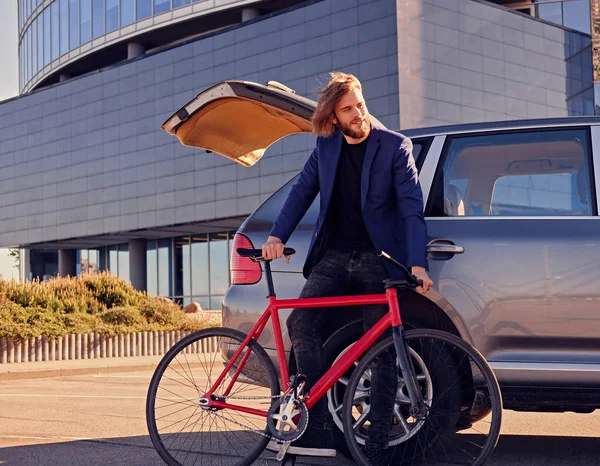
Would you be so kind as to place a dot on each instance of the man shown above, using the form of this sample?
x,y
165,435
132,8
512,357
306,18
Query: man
x,y
370,201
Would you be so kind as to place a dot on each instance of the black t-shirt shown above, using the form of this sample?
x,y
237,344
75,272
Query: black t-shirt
x,y
346,225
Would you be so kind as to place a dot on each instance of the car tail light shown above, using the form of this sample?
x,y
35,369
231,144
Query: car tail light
x,y
244,271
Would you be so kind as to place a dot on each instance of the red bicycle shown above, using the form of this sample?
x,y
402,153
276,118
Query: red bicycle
x,y
216,397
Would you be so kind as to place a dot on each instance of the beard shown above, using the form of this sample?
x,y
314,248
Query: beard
x,y
352,132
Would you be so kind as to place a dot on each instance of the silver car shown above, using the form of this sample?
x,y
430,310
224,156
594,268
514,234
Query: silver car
x,y
514,239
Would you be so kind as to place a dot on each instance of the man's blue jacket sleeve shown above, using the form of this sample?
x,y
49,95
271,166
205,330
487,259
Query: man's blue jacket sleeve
x,y
299,200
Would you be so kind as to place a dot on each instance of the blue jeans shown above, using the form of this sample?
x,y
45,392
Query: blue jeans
x,y
341,273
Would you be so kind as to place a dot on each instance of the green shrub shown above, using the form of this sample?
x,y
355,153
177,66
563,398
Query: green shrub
x,y
111,291
92,303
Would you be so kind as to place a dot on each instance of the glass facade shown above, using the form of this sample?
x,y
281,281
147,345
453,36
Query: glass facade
x,y
66,24
574,14
191,268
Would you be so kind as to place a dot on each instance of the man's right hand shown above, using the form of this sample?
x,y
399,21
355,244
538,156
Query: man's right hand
x,y
273,249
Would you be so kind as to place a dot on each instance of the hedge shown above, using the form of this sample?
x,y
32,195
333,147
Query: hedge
x,y
90,303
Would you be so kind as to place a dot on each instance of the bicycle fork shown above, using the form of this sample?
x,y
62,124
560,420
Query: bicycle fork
x,y
419,408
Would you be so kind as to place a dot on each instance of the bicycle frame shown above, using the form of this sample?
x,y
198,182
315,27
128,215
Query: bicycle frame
x,y
391,319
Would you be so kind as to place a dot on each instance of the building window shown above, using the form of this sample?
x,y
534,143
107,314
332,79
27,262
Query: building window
x,y
127,12
88,261
86,20
97,18
160,6
219,267
541,173
64,26
73,24
574,14
40,42
164,267
33,29
144,9
151,267
112,15
55,52
115,259
47,37
190,268
179,3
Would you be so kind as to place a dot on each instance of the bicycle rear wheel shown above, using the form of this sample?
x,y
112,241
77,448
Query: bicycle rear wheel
x,y
186,433
464,405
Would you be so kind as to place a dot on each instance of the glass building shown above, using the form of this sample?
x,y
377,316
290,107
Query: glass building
x,y
55,35
88,182
193,268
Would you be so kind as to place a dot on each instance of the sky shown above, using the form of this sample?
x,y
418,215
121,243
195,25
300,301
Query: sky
x,y
9,78
9,87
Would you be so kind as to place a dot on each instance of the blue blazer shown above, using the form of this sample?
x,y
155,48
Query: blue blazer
x,y
392,201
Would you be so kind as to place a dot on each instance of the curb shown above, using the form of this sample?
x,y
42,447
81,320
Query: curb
x,y
65,372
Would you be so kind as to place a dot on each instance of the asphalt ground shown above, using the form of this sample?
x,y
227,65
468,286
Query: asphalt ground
x,y
99,419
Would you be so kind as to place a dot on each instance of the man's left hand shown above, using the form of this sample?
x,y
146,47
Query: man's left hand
x,y
421,274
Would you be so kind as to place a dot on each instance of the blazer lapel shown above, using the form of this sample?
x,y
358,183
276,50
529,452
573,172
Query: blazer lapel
x,y
372,146
329,161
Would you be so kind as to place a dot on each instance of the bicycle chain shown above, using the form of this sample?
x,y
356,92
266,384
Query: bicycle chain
x,y
269,436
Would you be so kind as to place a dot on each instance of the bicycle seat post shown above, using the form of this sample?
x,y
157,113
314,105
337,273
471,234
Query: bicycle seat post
x,y
270,286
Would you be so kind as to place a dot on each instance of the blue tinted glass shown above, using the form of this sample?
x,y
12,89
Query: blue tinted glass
x,y
86,20
219,263
29,54
164,267
144,9
113,261
127,12
178,3
186,266
200,265
124,262
112,15
151,266
160,6
551,12
40,42
97,18
576,15
55,30
64,26
47,37
33,28
73,23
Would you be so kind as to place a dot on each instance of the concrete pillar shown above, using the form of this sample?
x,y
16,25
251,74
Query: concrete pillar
x,y
137,263
250,13
134,49
67,264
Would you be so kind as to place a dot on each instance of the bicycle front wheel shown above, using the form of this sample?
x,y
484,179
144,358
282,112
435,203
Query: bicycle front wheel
x,y
463,414
185,432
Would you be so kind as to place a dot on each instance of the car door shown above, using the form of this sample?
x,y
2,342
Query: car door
x,y
514,251
240,119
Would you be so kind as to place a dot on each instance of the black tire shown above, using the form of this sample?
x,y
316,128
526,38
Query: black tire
x,y
206,348
339,342
437,357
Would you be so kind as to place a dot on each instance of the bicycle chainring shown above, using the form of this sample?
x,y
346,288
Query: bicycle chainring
x,y
281,424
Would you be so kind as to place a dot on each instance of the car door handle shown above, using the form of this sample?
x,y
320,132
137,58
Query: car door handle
x,y
445,247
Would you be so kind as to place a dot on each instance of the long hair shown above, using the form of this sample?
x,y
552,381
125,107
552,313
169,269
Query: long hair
x,y
338,86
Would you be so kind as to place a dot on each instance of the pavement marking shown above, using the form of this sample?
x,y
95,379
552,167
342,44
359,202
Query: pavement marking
x,y
39,437
46,395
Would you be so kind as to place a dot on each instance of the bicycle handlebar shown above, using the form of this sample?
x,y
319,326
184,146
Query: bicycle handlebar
x,y
410,278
